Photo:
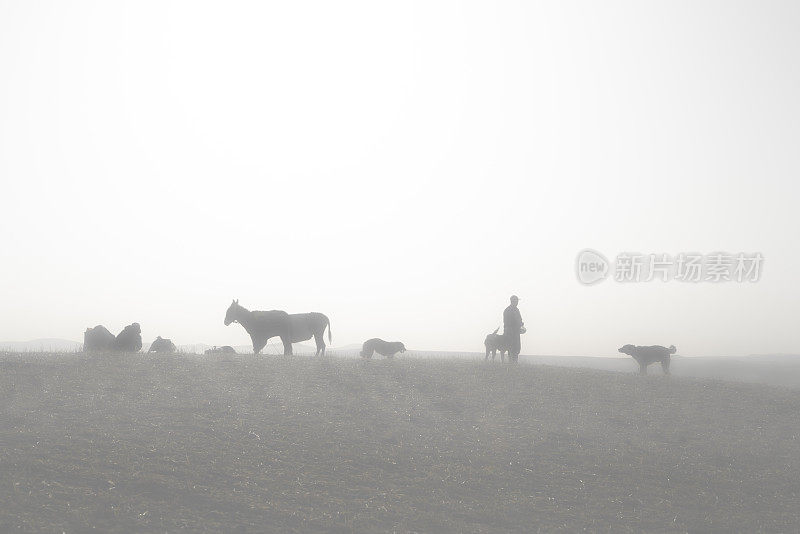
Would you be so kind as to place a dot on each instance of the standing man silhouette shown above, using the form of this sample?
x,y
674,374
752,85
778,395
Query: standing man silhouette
x,y
512,328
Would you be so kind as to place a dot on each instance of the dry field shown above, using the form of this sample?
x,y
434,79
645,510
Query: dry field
x,y
142,443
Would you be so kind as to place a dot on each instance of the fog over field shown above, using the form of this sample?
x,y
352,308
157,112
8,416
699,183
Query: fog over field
x,y
399,267
403,168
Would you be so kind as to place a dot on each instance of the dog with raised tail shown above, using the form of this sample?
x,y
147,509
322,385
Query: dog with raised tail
x,y
495,342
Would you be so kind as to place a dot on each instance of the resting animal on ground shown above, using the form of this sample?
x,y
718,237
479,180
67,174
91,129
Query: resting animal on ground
x,y
225,349
130,339
384,348
162,345
97,338
644,356
495,342
263,325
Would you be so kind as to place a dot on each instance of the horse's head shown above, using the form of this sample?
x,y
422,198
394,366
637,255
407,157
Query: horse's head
x,y
233,312
402,348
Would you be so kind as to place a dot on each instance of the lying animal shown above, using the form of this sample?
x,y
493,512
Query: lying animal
x,y
644,356
98,338
384,348
495,342
162,345
225,349
130,339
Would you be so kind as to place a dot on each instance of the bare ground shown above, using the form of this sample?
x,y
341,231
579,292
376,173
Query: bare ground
x,y
141,443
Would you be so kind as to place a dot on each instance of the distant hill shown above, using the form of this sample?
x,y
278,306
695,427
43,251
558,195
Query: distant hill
x,y
773,369
351,346
778,356
275,347
66,345
41,345
271,348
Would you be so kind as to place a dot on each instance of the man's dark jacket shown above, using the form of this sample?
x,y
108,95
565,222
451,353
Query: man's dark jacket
x,y
512,320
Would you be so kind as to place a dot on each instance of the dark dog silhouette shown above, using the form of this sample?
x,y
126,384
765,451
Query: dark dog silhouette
x,y
384,348
644,356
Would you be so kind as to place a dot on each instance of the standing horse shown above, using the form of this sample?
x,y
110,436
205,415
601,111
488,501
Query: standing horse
x,y
263,325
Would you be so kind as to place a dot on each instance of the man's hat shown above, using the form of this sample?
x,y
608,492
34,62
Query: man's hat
x,y
514,297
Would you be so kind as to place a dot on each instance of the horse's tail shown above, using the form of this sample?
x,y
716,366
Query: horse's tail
x,y
495,331
329,329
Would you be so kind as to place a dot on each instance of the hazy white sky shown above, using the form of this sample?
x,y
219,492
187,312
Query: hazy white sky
x,y
402,167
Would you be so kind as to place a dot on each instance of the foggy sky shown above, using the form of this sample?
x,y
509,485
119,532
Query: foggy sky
x,y
401,167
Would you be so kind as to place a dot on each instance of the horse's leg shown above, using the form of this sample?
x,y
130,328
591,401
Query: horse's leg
x,y
487,353
320,341
258,344
642,368
665,366
287,345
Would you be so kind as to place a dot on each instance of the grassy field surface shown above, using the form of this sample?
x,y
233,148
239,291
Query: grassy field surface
x,y
143,443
